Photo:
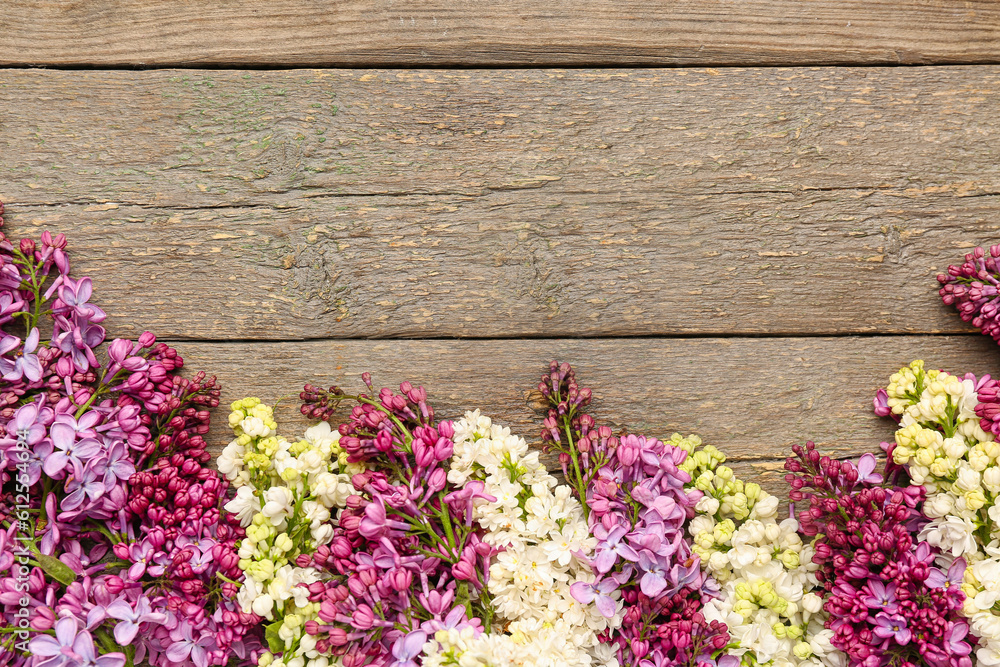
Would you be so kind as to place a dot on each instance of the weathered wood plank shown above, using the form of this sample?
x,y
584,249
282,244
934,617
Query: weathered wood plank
x,y
185,139
512,203
754,398
412,33
509,265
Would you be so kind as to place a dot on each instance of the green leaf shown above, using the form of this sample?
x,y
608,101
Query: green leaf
x,y
56,569
274,643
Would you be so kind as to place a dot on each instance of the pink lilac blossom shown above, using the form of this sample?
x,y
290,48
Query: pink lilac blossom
x,y
113,548
637,507
406,558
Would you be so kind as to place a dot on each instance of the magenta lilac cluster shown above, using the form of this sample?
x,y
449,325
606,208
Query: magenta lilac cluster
x,y
113,549
972,287
406,558
888,603
637,507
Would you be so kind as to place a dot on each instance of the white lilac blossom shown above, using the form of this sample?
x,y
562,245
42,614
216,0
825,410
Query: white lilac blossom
x,y
546,548
942,442
768,598
285,492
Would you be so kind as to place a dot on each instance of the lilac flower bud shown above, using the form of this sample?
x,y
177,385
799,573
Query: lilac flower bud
x,y
338,637
437,480
157,373
463,570
400,580
628,451
363,618
357,587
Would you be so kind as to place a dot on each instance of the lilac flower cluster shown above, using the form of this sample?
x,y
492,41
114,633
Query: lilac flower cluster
x,y
406,558
113,549
972,288
637,505
888,603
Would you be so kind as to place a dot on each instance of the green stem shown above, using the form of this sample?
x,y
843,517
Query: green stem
x,y
580,486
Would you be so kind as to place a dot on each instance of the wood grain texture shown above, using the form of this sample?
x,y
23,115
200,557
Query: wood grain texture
x,y
184,139
754,398
271,205
411,33
572,265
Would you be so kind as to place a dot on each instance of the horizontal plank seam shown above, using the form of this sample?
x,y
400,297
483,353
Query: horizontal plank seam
x,y
392,65
725,335
481,192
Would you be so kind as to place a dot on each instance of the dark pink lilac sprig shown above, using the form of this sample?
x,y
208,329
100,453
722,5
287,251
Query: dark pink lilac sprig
x,y
406,558
888,603
637,508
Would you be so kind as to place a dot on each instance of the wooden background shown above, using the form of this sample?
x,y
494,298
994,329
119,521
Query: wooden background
x,y
728,215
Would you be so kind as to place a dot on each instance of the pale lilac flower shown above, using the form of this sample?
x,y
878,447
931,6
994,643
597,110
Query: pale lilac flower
x,y
654,579
953,580
407,648
866,470
79,488
116,464
76,294
610,546
599,594
140,554
79,341
131,619
28,425
25,363
69,451
185,646
892,625
956,639
880,596
70,648
9,305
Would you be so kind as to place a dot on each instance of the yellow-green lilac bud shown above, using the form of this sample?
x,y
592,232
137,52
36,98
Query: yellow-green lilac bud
x,y
262,570
802,650
723,531
975,499
790,559
704,481
297,448
743,591
704,540
744,608
284,542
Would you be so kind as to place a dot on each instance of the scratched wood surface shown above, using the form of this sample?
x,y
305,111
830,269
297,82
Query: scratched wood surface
x,y
508,203
411,33
753,398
